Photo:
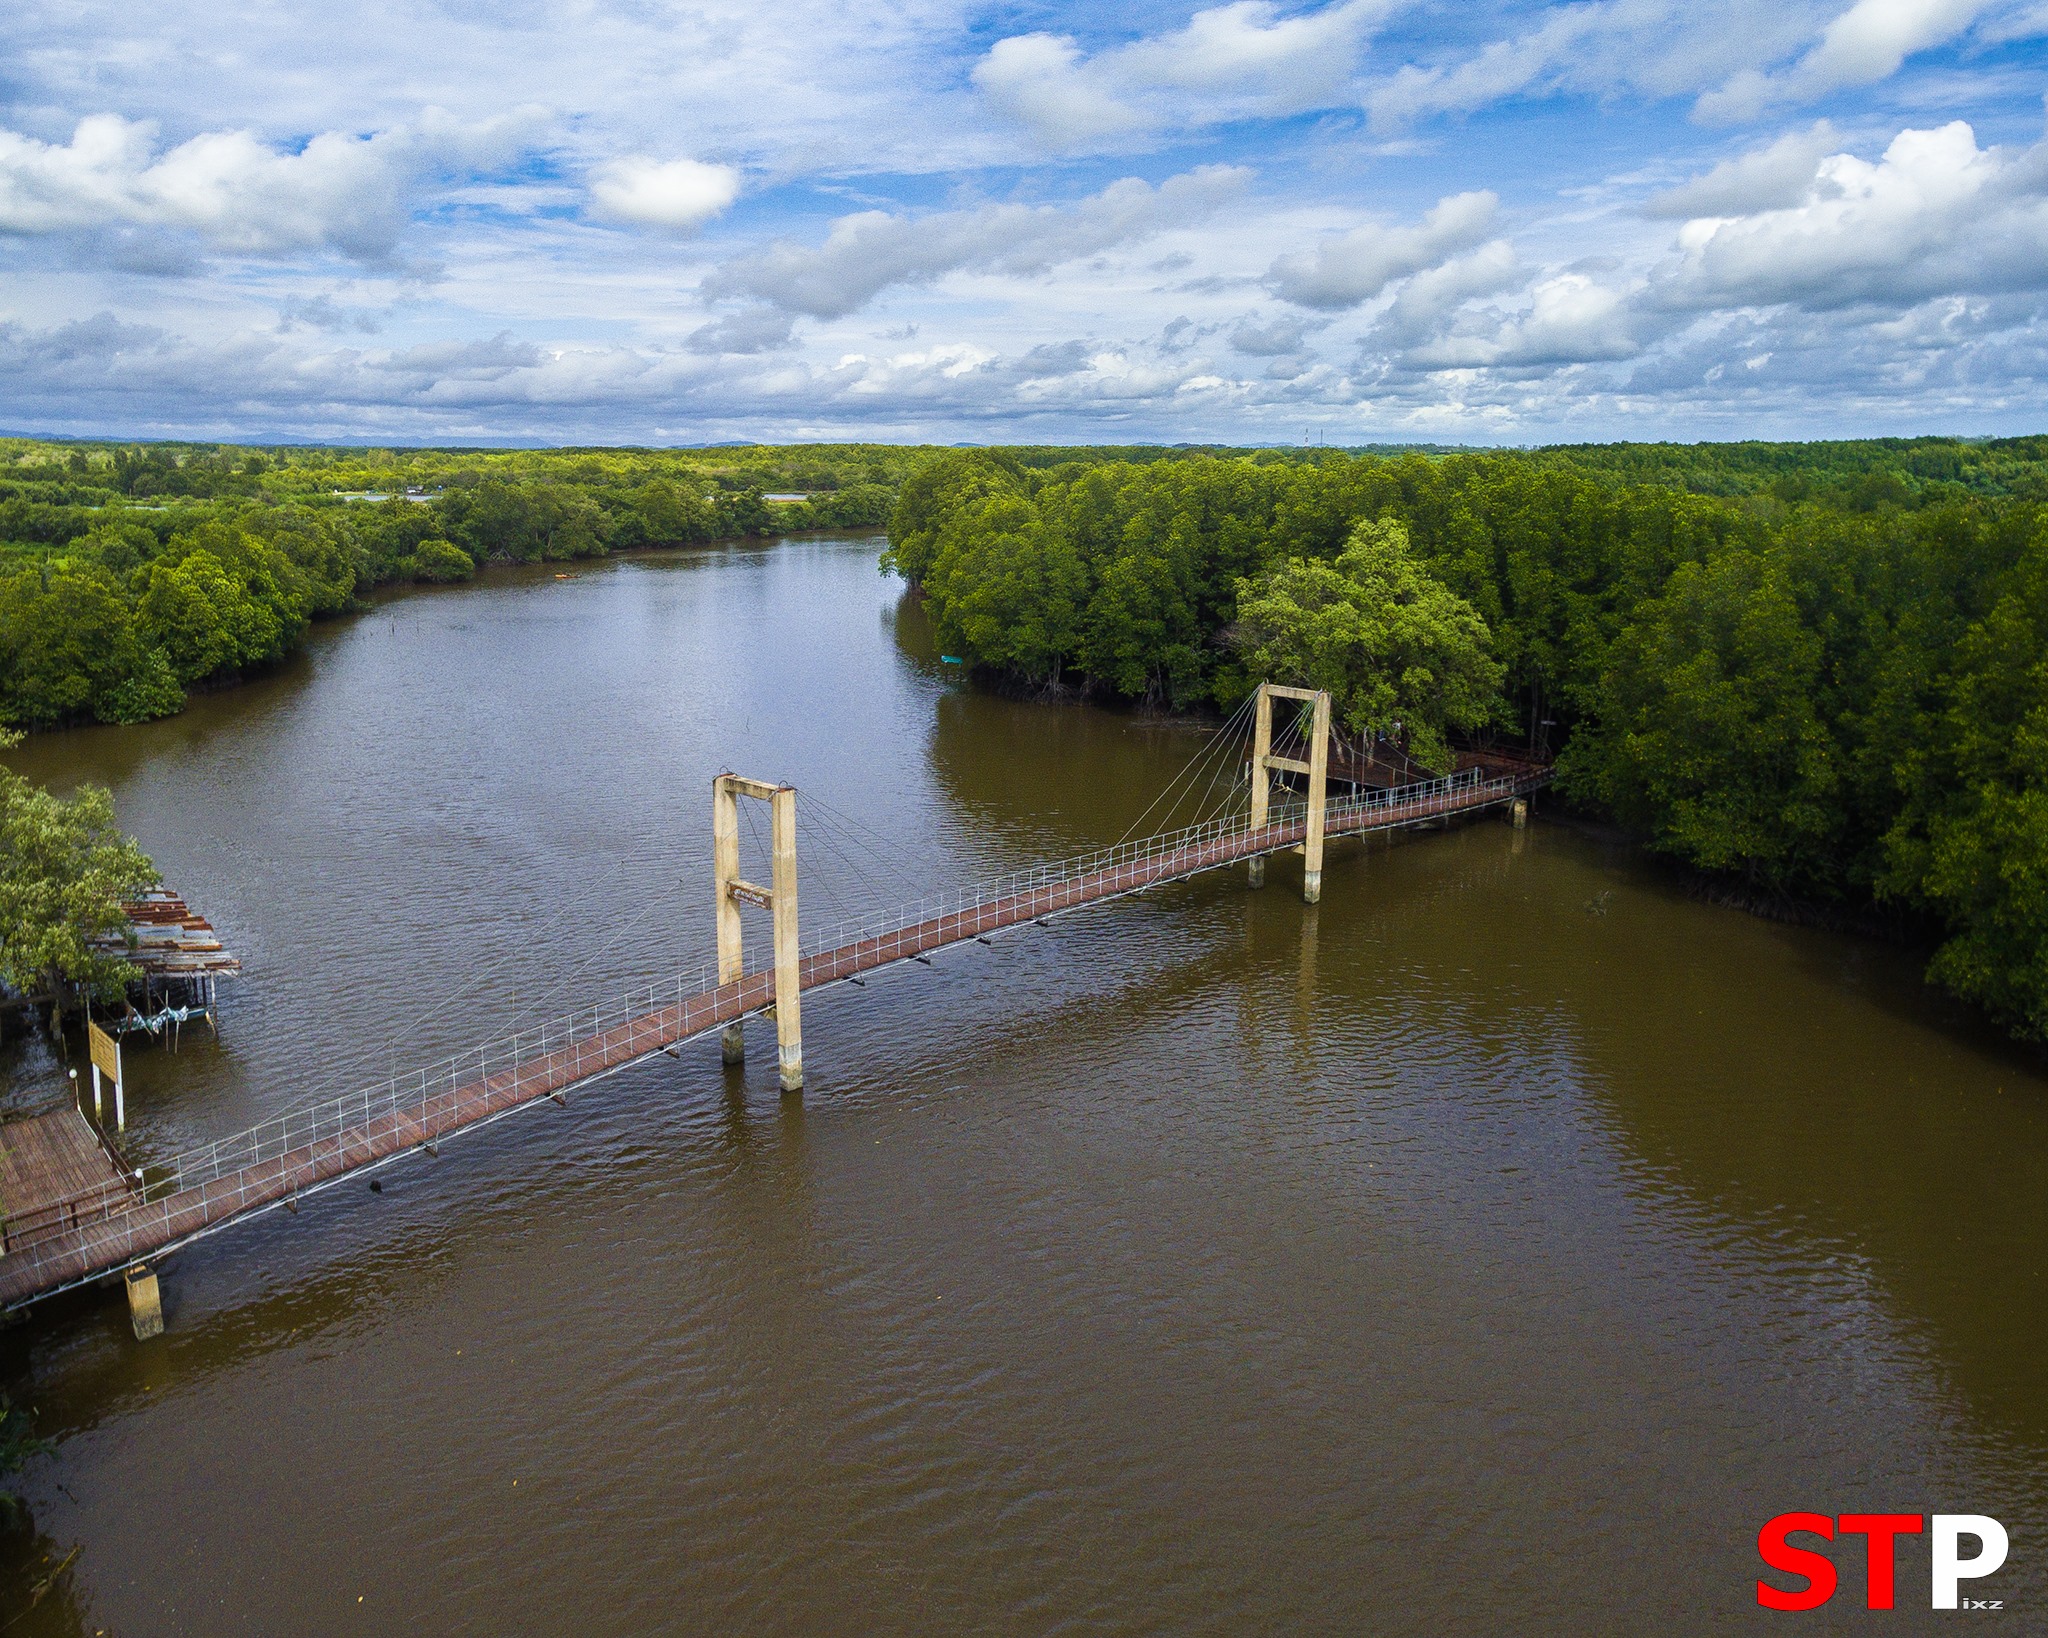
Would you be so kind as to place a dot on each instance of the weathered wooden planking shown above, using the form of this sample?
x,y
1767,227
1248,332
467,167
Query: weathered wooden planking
x,y
55,1175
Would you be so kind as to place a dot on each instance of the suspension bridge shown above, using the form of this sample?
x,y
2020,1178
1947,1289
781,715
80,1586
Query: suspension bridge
x,y
79,1213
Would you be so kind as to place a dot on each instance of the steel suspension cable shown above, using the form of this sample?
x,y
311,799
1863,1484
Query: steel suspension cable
x,y
1216,739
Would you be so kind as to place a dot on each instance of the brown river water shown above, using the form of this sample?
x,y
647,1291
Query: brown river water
x,y
1492,1248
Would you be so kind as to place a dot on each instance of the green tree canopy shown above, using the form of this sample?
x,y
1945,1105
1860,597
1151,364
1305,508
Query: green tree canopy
x,y
1709,739
1972,842
1006,588
220,598
932,495
1400,653
65,643
64,870
441,560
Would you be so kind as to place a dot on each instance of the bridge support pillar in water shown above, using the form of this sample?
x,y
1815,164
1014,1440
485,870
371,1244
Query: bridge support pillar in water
x,y
145,1303
1316,770
1518,812
779,900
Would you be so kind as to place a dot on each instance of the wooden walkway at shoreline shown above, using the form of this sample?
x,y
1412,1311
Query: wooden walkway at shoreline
x,y
57,1167
55,1255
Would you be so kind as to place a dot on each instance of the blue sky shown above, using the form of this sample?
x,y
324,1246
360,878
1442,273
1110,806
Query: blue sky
x,y
632,221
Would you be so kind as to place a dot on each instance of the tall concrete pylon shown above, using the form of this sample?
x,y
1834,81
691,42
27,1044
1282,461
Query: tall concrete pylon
x,y
779,901
1316,770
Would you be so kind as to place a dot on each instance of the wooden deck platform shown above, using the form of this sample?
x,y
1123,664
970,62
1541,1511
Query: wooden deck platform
x,y
55,1176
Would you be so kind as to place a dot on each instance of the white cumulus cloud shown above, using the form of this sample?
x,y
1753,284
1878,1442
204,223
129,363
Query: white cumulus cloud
x,y
750,330
1865,44
1228,62
864,254
1934,215
1571,318
675,193
1763,179
1355,267
1273,339
1802,273
1502,68
1853,255
236,193
1737,58
1040,81
1428,299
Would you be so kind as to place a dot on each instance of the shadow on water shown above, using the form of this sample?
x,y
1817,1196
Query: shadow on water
x,y
1804,1091
1810,1086
39,1597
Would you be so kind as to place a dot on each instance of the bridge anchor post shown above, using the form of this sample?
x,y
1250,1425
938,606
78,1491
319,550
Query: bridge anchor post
x,y
1318,801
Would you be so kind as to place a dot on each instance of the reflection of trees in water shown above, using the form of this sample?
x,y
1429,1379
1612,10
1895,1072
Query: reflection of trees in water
x,y
1805,1091
1813,1127
213,717
907,623
31,1074
38,1581
1059,777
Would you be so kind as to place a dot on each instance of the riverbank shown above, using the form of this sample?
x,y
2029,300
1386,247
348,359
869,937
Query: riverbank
x,y
129,680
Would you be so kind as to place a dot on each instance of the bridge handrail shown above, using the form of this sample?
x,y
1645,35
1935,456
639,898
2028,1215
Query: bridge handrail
x,y
1192,842
296,1129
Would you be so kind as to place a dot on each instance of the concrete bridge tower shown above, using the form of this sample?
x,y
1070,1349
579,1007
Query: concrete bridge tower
x,y
779,901
1316,770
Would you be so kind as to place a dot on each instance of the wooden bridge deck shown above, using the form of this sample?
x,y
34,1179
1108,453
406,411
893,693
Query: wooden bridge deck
x,y
56,1175
69,1256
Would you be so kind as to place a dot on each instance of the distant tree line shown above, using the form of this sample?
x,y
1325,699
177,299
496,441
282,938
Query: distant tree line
x,y
131,575
1820,671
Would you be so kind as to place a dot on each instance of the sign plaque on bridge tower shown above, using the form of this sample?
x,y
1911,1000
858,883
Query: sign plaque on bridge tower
x,y
779,900
106,1058
1316,770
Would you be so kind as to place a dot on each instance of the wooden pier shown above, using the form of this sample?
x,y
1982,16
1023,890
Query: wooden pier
x,y
57,1176
178,961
